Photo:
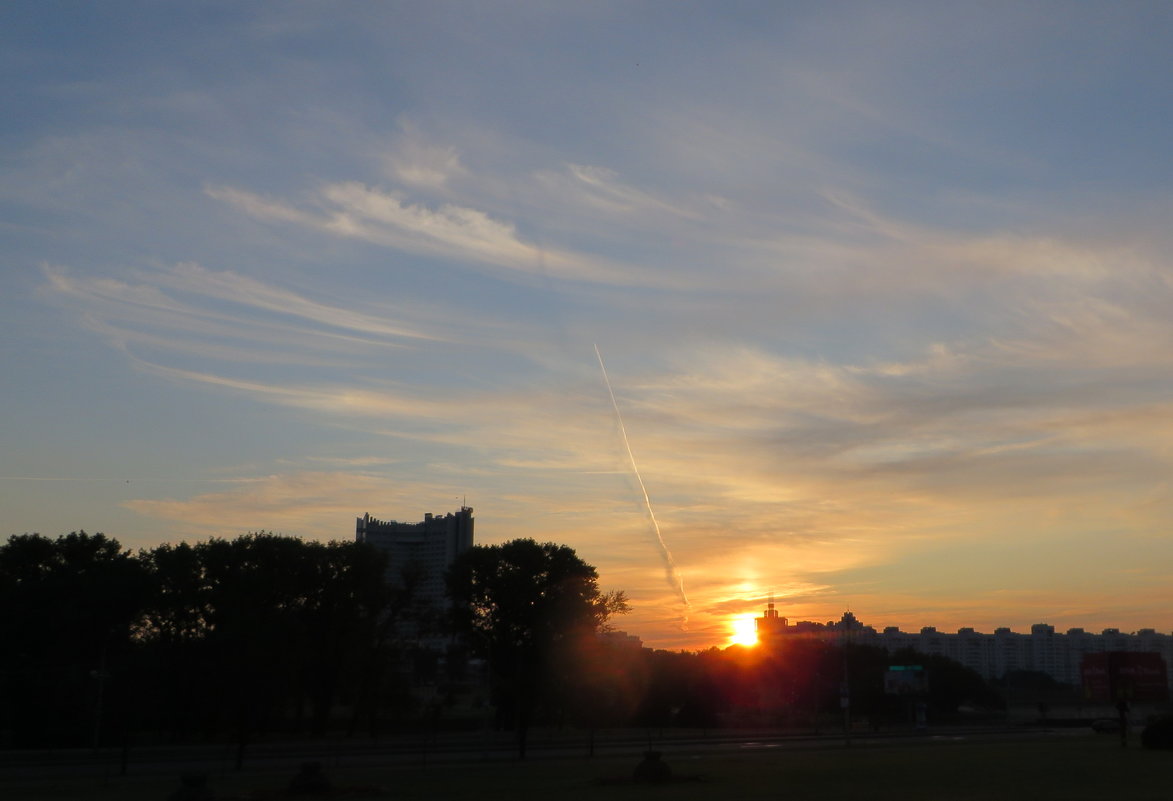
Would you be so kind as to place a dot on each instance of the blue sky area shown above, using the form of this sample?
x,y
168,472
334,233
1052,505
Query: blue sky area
x,y
883,290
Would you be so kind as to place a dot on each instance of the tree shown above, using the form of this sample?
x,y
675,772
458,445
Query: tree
x,y
258,631
66,610
340,619
524,606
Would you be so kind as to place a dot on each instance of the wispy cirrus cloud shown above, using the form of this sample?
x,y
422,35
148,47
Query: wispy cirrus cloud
x,y
601,189
415,159
221,314
352,209
235,288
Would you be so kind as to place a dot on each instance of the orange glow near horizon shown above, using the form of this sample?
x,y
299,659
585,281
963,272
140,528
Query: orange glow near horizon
x,y
745,631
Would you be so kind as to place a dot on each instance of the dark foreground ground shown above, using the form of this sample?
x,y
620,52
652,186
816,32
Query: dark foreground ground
x,y
944,767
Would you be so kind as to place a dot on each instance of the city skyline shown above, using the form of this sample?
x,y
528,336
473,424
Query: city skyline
x,y
856,306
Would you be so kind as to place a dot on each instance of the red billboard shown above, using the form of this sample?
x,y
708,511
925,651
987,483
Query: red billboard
x,y
1121,676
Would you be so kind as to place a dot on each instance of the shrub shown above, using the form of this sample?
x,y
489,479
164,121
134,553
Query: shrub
x,y
1158,733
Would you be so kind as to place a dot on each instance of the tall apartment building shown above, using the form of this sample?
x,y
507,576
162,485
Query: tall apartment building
x,y
428,547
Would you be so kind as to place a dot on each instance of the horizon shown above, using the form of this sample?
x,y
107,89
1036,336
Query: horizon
x,y
859,307
737,628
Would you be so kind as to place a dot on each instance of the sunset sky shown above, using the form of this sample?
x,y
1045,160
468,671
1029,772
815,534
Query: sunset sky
x,y
884,292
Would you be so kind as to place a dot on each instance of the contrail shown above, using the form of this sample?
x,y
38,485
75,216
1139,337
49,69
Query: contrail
x,y
673,578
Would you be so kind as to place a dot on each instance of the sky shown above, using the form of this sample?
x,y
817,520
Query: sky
x,y
883,292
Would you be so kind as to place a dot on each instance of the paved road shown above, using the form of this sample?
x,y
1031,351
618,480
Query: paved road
x,y
458,748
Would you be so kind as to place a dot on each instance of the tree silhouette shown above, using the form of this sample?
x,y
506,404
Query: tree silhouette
x,y
66,611
259,631
523,606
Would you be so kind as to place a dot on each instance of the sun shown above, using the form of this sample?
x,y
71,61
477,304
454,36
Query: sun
x,y
745,631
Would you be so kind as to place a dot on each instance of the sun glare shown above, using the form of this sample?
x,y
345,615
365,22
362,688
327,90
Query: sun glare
x,y
745,631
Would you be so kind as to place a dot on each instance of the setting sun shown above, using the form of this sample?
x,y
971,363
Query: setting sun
x,y
745,631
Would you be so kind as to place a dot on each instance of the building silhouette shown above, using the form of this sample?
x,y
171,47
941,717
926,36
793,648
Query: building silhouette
x,y
1059,655
770,626
420,553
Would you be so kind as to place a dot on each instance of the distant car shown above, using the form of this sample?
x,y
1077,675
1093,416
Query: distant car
x,y
1106,725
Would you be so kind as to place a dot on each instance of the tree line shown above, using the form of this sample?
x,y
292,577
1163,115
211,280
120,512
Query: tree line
x,y
266,635
224,638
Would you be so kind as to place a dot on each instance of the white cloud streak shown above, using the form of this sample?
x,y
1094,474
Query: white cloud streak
x,y
354,210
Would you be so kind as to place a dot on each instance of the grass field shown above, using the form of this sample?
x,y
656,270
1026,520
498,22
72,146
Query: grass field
x,y
1068,768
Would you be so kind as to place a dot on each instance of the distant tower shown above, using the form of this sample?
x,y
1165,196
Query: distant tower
x,y
426,549
770,626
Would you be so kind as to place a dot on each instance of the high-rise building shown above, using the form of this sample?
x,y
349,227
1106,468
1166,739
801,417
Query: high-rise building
x,y
424,550
770,626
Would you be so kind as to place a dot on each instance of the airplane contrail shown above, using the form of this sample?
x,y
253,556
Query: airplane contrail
x,y
670,574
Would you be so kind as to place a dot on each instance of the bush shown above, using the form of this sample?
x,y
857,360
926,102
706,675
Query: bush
x,y
1158,733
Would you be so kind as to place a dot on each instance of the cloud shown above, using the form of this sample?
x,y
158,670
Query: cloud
x,y
416,160
1088,333
235,288
225,316
354,210
339,400
601,190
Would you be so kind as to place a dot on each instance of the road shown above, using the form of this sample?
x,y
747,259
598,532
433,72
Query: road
x,y
453,748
